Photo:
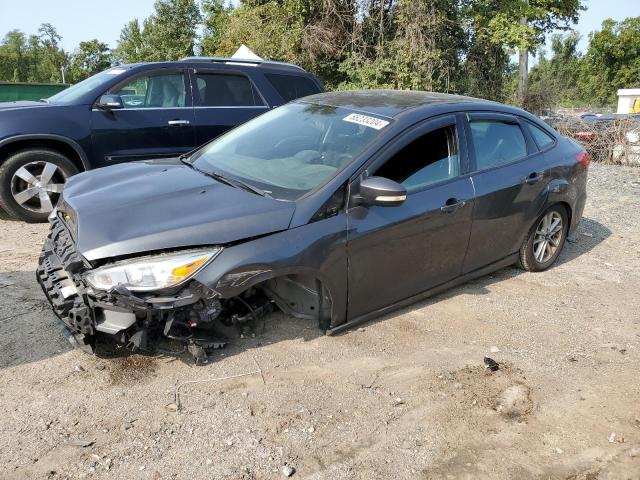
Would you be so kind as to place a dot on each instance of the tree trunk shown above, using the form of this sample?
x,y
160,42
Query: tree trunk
x,y
523,71
523,75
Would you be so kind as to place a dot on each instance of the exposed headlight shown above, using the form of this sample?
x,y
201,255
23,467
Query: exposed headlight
x,y
153,272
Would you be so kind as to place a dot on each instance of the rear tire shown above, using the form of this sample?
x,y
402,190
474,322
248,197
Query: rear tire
x,y
31,182
545,240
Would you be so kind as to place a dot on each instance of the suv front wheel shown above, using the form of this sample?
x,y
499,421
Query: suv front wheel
x,y
31,182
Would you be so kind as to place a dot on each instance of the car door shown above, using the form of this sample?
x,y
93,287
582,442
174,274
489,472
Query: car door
x,y
509,176
223,99
156,119
400,251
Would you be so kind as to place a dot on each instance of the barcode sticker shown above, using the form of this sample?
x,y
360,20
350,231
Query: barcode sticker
x,y
366,121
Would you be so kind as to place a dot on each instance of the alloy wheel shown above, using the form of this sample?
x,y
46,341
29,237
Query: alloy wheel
x,y
36,186
547,237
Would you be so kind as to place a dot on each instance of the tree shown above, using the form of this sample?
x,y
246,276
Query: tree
x,y
13,54
271,29
53,60
612,61
174,28
169,34
554,81
523,24
131,46
91,57
214,20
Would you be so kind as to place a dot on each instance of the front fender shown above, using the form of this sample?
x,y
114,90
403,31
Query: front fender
x,y
53,138
317,250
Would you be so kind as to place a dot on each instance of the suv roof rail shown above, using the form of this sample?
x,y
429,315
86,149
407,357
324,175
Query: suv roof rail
x,y
242,61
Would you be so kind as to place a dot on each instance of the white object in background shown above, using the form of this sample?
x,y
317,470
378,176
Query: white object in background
x,y
245,53
627,98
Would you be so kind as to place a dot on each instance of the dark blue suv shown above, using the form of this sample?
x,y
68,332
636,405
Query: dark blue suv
x,y
128,113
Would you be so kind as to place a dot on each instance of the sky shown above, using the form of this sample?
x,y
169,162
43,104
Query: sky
x,y
78,20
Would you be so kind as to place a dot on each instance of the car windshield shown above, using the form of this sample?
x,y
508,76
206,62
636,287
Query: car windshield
x,y
75,92
290,150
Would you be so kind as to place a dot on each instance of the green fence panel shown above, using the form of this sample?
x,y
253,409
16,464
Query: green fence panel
x,y
10,92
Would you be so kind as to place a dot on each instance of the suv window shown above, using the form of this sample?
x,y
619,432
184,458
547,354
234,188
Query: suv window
x,y
290,87
542,138
425,161
149,91
497,143
224,90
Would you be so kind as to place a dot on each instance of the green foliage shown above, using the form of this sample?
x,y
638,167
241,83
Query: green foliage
x,y
91,57
37,58
458,46
612,61
554,81
215,18
168,34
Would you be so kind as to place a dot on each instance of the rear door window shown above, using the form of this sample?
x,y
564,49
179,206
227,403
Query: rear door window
x,y
497,143
224,90
290,87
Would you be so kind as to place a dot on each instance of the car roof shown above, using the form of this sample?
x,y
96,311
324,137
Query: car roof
x,y
391,103
230,63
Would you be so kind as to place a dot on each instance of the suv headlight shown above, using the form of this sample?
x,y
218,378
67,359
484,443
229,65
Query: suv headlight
x,y
153,272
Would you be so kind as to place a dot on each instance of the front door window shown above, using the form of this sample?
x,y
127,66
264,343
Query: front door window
x,y
153,91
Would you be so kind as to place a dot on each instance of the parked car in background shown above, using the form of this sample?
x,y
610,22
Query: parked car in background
x,y
128,113
335,208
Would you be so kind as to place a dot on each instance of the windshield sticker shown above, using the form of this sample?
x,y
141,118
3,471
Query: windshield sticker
x,y
116,71
366,121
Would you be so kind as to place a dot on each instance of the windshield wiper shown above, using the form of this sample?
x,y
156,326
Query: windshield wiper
x,y
239,183
254,189
232,182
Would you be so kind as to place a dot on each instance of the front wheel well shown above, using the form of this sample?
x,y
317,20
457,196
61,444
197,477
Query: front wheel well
x,y
40,143
301,296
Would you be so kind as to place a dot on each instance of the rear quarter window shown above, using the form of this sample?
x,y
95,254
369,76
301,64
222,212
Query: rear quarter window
x,y
542,138
290,87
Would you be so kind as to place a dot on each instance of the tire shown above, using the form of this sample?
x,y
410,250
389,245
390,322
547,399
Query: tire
x,y
532,258
31,182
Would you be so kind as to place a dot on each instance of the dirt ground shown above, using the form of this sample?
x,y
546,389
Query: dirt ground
x,y
406,396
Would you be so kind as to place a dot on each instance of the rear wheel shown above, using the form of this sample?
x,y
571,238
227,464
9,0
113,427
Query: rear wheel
x,y
31,182
544,243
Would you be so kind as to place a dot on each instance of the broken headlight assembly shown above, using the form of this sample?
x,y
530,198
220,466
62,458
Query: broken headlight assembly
x,y
153,272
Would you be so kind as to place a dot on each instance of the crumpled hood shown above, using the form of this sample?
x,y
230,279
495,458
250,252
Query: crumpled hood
x,y
145,206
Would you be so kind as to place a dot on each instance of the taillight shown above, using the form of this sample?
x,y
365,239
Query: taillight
x,y
583,158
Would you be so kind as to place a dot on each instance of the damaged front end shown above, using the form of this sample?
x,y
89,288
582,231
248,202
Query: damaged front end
x,y
139,317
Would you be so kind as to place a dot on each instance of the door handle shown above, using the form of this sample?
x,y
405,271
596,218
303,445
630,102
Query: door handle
x,y
533,178
452,205
178,123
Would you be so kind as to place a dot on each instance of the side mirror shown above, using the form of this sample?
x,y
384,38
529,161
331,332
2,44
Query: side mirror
x,y
110,102
381,191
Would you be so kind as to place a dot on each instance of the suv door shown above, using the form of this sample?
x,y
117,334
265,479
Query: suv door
x,y
401,251
509,176
156,119
223,99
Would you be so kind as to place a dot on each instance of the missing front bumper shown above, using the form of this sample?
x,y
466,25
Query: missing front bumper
x,y
194,315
